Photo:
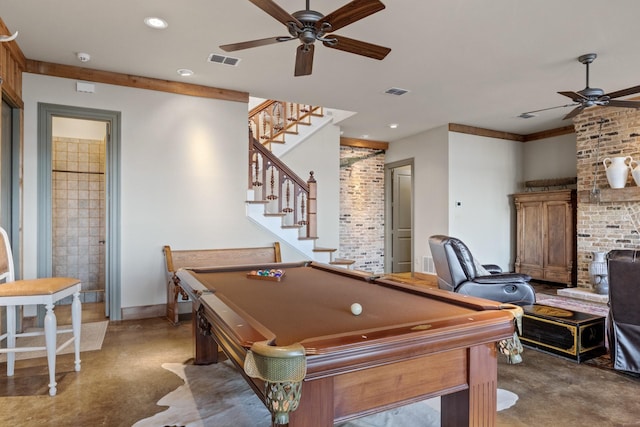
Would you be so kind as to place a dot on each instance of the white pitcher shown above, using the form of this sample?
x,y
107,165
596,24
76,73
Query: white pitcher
x,y
617,170
635,171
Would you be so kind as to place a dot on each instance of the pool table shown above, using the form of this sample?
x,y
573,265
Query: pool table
x,y
408,344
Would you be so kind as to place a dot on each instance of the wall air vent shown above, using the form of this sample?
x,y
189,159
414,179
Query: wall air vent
x,y
222,59
396,91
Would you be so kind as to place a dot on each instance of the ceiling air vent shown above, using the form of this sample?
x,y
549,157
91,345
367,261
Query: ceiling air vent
x,y
222,59
396,91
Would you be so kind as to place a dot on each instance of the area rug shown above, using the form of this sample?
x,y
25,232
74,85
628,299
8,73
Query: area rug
x,y
91,338
216,395
572,304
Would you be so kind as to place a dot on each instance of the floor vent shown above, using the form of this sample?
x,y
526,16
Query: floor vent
x,y
221,59
427,265
396,91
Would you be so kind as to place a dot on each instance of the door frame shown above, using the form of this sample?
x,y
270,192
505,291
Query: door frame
x,y
46,112
15,189
388,226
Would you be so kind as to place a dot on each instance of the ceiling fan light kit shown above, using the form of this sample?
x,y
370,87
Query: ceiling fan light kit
x,y
309,25
589,97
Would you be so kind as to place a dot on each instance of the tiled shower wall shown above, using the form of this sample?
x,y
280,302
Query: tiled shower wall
x,y
79,213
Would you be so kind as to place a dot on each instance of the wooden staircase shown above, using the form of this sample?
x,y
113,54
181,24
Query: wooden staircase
x,y
277,198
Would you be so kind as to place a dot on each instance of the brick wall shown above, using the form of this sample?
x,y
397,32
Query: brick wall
x,y
612,225
362,208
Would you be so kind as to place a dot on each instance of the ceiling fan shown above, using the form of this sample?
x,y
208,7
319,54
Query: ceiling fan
x,y
308,26
590,96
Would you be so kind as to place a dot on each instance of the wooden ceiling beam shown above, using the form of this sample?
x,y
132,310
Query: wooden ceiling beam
x,y
364,143
108,77
473,130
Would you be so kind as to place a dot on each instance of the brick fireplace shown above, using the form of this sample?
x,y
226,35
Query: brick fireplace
x,y
613,222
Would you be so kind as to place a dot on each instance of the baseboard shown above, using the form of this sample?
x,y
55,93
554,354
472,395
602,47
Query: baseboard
x,y
149,311
144,312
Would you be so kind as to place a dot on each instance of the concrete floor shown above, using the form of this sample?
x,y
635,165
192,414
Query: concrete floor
x,y
122,383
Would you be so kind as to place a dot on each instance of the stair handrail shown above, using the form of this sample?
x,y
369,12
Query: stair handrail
x,y
290,118
308,209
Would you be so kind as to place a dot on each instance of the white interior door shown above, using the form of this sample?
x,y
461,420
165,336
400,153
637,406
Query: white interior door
x,y
401,219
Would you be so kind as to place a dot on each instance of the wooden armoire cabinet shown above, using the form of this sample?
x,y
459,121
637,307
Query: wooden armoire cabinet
x,y
546,235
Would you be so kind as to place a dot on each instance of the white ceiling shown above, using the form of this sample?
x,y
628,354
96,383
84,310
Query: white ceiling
x,y
473,62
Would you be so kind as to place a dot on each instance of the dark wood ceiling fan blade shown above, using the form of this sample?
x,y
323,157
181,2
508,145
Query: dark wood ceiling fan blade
x,y
573,95
358,47
573,112
625,104
350,13
624,92
304,60
276,11
247,45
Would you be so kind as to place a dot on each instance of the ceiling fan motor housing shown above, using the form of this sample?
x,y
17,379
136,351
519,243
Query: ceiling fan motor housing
x,y
308,33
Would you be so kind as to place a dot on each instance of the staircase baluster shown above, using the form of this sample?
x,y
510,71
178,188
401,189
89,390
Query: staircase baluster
x,y
291,117
302,221
287,208
264,125
256,168
271,195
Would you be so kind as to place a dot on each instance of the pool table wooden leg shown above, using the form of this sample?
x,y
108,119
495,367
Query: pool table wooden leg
x,y
205,348
316,404
477,405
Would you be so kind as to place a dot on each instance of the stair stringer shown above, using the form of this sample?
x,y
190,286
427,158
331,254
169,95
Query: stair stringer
x,y
273,224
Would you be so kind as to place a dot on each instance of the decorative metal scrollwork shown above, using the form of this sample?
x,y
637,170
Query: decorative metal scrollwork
x,y
204,327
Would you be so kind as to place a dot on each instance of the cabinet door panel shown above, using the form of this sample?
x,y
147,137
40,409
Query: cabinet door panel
x,y
556,234
531,249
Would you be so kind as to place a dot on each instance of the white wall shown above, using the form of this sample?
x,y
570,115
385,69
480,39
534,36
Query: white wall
x,y
483,173
429,151
550,158
479,172
320,153
183,174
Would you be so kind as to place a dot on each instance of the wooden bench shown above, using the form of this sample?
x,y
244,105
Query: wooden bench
x,y
209,258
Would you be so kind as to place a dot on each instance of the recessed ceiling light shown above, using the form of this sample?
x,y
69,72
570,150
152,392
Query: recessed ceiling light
x,y
185,72
155,22
393,125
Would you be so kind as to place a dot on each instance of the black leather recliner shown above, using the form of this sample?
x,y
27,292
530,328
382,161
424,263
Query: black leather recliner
x,y
623,320
458,272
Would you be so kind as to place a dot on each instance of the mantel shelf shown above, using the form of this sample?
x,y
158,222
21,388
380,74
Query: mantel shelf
x,y
612,195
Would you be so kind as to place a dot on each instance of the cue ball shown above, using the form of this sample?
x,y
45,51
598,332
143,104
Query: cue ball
x,y
356,309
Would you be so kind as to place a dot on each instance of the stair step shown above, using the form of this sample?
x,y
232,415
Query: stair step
x,y
275,214
342,261
292,226
307,238
291,132
257,202
324,250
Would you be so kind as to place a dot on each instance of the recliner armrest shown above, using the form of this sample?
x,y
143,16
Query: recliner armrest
x,y
492,268
503,278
